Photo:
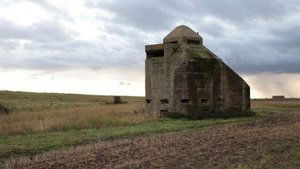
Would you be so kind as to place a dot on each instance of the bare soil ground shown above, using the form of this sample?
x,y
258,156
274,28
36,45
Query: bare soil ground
x,y
261,144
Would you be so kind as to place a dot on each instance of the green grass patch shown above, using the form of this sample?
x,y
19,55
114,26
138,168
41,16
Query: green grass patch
x,y
29,101
34,143
292,159
287,158
281,157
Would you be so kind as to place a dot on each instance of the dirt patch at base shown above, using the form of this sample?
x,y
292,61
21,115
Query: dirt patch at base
x,y
226,146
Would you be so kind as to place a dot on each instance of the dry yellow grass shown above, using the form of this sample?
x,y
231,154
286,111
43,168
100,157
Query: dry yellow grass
x,y
94,116
271,104
36,112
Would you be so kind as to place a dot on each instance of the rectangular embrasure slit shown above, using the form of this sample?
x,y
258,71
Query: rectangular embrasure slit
x,y
185,100
164,111
164,101
155,53
204,100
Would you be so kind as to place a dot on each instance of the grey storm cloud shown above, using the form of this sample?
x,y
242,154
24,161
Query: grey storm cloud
x,y
52,46
45,31
250,52
264,38
146,15
153,15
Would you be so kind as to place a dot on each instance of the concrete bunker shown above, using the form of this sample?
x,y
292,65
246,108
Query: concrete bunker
x,y
184,78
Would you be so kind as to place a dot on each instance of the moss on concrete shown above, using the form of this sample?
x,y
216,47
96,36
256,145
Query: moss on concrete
x,y
199,51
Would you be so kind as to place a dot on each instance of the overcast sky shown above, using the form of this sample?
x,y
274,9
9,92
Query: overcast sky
x,y
48,44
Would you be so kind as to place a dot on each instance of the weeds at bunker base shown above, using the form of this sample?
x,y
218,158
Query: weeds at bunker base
x,y
185,79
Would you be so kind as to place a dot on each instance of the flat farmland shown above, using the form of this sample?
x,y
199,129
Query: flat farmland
x,y
270,139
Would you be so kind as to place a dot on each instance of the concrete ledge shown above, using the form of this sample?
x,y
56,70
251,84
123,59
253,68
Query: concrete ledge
x,y
154,47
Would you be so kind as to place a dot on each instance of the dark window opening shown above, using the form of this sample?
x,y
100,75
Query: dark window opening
x,y
164,101
148,101
184,100
164,111
193,42
219,100
175,42
204,100
155,53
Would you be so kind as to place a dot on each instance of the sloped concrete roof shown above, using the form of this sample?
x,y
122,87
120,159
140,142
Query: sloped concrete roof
x,y
181,31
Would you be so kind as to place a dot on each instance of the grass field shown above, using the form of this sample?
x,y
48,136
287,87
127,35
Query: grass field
x,y
41,127
36,112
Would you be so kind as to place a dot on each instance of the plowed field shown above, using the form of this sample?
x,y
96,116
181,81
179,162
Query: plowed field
x,y
268,143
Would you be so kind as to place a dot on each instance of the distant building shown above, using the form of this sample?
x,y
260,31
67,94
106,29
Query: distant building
x,y
184,78
279,97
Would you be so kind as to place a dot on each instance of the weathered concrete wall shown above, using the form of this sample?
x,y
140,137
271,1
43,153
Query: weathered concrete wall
x,y
184,78
154,83
236,92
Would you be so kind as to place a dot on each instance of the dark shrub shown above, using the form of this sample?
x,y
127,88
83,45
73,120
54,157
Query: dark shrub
x,y
3,110
117,100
